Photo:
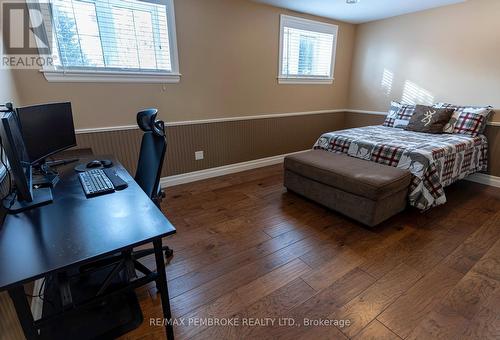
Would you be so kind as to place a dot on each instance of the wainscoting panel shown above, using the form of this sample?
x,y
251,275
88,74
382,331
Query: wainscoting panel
x,y
493,135
354,119
124,145
223,143
231,142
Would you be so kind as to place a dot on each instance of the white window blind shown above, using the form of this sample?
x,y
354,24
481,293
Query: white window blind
x,y
307,50
114,36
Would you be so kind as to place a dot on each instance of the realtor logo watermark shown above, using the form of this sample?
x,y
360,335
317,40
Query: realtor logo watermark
x,y
27,43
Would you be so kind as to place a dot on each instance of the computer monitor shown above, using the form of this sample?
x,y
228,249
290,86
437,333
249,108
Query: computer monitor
x,y
13,145
25,197
47,129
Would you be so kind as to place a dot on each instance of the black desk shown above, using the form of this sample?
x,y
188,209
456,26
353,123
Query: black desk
x,y
74,230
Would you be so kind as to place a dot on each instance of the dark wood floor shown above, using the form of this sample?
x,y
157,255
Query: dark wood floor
x,y
246,248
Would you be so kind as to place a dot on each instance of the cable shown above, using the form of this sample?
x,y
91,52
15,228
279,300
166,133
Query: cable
x,y
13,199
42,286
41,293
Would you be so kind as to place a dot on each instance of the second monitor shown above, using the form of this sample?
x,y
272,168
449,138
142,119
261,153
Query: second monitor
x,y
47,129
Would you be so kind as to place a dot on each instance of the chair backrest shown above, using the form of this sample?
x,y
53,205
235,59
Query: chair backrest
x,y
152,153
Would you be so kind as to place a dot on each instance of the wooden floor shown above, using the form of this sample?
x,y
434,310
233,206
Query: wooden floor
x,y
248,250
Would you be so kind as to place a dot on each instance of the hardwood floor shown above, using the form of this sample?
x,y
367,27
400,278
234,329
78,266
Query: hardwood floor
x,y
246,249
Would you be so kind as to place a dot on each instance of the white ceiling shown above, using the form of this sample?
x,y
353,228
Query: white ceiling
x,y
363,11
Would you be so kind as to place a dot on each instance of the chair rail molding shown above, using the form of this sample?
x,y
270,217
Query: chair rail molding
x,y
212,120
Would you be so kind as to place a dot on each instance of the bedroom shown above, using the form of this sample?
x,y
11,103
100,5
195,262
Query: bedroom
x,y
255,258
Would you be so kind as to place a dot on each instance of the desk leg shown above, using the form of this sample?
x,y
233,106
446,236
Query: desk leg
x,y
23,311
163,288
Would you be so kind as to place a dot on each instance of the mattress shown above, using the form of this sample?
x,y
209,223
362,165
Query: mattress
x,y
434,160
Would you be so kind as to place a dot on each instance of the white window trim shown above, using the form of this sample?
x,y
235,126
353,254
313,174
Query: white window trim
x,y
106,76
305,80
53,74
311,25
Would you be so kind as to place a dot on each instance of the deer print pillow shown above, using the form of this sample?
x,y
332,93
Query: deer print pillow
x,y
429,119
466,120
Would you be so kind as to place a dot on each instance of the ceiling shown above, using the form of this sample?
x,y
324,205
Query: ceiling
x,y
363,11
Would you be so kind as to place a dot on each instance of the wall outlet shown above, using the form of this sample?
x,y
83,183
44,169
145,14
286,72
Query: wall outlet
x,y
198,155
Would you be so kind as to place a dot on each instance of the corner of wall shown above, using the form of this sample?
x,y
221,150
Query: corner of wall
x,y
351,68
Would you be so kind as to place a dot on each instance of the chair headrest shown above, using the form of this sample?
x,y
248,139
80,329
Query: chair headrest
x,y
146,119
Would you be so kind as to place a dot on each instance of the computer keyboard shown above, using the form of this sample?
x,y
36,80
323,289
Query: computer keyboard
x,y
95,183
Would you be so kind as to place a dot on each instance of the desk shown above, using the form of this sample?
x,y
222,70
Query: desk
x,y
73,231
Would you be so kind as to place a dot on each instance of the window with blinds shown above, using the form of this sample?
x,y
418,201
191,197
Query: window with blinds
x,y
307,51
114,36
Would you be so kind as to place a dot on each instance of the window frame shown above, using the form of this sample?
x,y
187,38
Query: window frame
x,y
91,74
309,25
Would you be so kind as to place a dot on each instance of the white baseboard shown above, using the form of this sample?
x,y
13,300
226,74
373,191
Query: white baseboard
x,y
490,180
258,163
222,170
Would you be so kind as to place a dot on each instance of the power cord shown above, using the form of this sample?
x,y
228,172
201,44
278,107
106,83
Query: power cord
x,y
41,294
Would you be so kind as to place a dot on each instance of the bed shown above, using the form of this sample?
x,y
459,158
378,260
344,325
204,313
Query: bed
x,y
434,160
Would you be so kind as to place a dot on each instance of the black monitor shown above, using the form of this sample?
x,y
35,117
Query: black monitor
x,y
13,145
47,129
25,197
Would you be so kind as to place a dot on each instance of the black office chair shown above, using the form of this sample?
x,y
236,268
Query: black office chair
x,y
151,157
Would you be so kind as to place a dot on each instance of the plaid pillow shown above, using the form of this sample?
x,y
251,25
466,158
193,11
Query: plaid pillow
x,y
399,112
470,123
466,120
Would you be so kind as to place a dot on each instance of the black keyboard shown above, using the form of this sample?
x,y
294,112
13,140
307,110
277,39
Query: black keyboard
x,y
95,183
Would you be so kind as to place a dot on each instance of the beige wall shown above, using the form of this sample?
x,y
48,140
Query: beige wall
x,y
8,91
228,51
451,54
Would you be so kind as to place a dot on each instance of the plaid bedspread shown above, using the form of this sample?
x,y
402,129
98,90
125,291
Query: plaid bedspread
x,y
435,160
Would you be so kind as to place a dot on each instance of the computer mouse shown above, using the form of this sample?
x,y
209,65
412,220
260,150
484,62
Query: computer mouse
x,y
94,164
107,163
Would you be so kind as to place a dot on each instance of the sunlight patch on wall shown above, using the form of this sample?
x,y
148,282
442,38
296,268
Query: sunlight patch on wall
x,y
414,94
387,80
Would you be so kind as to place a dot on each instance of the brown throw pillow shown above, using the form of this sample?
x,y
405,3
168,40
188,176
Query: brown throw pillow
x,y
429,119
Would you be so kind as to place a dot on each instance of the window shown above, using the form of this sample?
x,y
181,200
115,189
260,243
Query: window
x,y
307,51
113,40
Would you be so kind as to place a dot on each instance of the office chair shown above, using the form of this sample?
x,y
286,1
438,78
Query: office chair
x,y
151,157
